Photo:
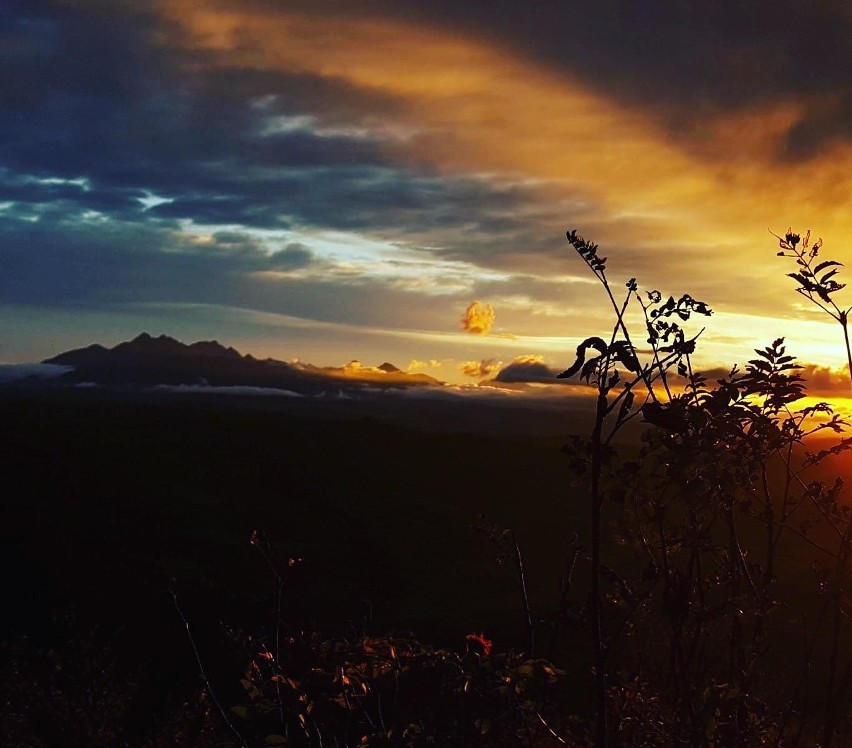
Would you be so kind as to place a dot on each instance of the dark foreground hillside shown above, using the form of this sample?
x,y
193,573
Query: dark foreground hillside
x,y
110,501
119,503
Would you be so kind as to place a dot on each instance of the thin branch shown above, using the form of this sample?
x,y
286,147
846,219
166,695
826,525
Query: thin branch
x,y
203,672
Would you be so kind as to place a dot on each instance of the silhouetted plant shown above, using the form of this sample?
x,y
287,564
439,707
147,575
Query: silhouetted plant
x,y
509,548
816,279
618,362
817,283
715,492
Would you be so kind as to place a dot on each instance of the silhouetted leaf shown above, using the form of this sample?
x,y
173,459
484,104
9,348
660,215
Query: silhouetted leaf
x,y
597,343
624,352
827,264
588,369
626,405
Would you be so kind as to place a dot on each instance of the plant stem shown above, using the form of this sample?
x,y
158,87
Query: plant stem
x,y
203,672
519,564
598,646
844,324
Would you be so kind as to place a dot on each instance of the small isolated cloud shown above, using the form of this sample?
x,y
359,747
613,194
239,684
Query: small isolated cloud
x,y
480,369
528,368
478,318
416,365
293,257
356,368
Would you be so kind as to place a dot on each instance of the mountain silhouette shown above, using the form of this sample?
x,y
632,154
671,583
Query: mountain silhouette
x,y
147,361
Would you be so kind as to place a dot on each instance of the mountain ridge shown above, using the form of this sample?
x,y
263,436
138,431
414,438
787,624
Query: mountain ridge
x,y
147,360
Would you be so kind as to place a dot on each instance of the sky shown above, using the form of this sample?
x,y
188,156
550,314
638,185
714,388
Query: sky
x,y
391,180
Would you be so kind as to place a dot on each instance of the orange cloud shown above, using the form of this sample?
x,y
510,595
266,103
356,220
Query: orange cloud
x,y
474,107
530,358
357,368
478,318
480,369
415,365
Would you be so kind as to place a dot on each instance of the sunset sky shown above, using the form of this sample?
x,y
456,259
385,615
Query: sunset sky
x,y
334,180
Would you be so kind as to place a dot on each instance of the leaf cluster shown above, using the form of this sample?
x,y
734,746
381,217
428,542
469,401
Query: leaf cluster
x,y
814,279
588,251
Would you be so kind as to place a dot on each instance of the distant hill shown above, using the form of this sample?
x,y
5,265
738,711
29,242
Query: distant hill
x,y
162,360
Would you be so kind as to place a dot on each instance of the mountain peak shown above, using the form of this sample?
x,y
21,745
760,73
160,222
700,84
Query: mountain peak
x,y
212,348
162,360
146,344
89,355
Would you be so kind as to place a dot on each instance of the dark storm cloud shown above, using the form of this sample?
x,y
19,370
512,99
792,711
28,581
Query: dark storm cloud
x,y
294,255
100,97
100,110
63,261
71,195
103,96
375,198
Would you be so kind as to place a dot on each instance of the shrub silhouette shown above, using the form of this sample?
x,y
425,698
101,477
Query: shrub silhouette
x,y
688,637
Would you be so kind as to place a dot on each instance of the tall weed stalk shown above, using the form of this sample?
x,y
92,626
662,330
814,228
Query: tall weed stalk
x,y
816,279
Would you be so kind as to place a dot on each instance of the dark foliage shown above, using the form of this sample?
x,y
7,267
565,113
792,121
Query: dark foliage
x,y
692,633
